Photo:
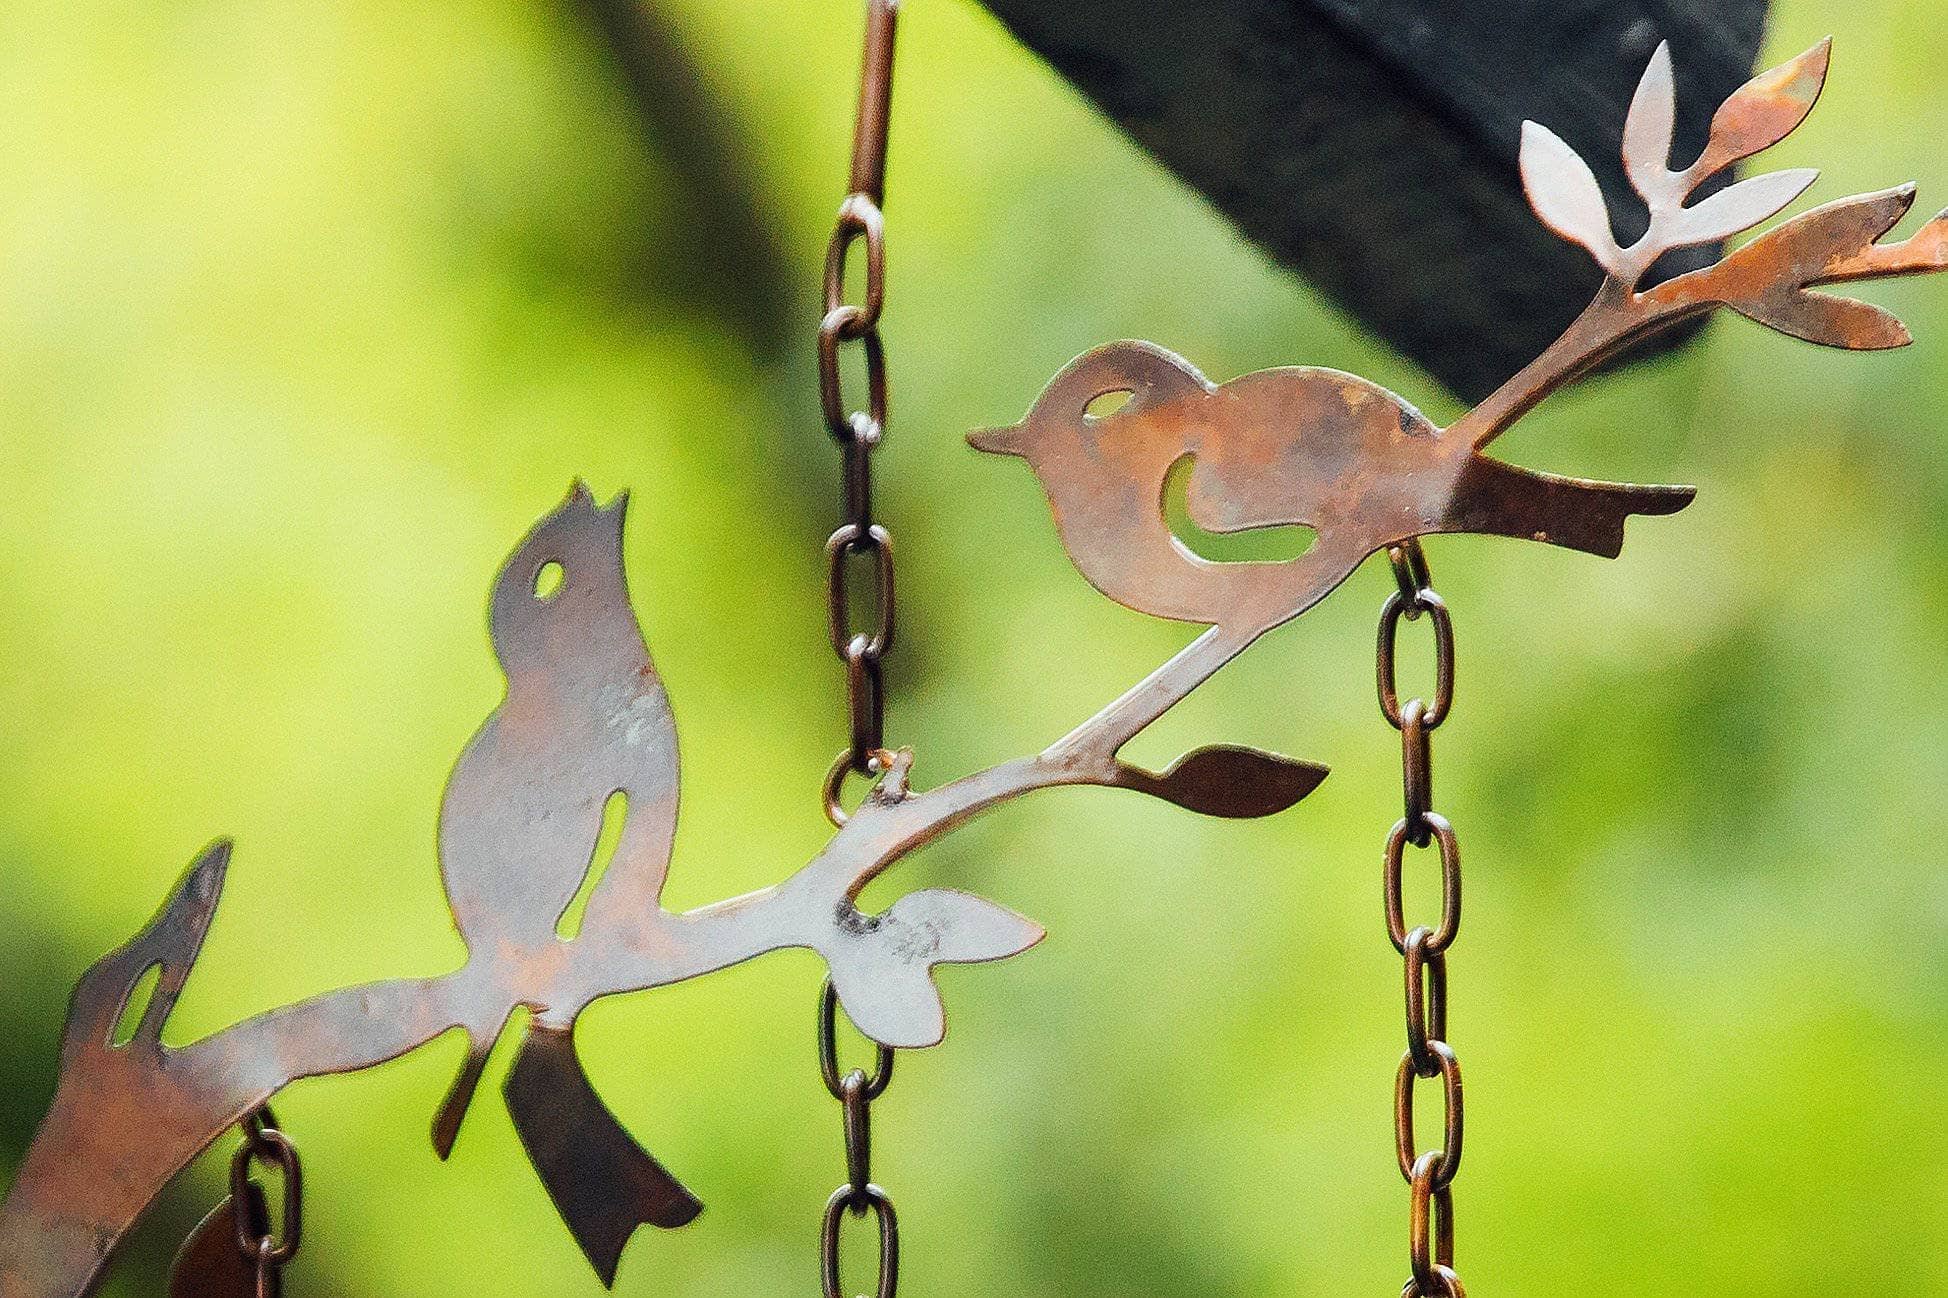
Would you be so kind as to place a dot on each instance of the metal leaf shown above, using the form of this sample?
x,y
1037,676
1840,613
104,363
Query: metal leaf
x,y
1738,207
1226,780
1563,191
1803,250
1764,111
883,970
1648,131
1923,251
1830,321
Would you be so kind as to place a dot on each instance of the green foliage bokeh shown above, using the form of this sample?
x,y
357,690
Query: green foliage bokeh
x,y
308,310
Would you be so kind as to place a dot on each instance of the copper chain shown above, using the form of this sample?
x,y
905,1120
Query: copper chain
x,y
266,1145
857,431
1430,1175
855,1091
862,650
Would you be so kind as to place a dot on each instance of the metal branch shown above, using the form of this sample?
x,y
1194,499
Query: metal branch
x,y
63,1217
1370,144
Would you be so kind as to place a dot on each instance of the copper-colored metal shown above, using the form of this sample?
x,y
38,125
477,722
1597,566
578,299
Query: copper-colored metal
x,y
210,1265
855,1092
603,1183
586,717
875,101
1283,447
1364,469
1430,1176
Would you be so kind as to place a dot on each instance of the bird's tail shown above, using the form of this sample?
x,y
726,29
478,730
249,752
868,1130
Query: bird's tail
x,y
602,1182
446,1122
1501,499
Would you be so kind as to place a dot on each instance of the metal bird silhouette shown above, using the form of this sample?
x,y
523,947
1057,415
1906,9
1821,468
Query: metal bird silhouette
x,y
1283,447
1365,470
585,718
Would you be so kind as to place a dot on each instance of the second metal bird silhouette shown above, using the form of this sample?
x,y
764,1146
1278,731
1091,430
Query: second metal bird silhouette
x,y
1363,468
585,717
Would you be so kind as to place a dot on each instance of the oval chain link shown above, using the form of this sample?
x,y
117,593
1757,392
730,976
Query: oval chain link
x,y
269,1147
855,1090
859,431
862,649
1430,1174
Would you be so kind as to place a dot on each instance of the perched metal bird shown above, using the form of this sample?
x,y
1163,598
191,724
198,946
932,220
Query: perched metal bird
x,y
1283,447
585,717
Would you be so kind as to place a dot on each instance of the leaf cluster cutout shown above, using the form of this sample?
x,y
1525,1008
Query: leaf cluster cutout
x,y
1769,278
1564,192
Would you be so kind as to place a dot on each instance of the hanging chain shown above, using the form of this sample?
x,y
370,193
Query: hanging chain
x,y
1430,1175
857,431
266,1145
860,536
855,1091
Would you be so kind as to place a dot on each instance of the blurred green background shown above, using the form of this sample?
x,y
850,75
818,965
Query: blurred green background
x,y
308,310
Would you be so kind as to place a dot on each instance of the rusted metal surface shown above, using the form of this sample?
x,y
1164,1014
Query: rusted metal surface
x,y
1364,469
1301,446
1429,1175
860,540
586,717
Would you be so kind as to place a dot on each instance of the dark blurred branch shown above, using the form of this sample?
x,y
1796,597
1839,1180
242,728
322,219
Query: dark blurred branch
x,y
724,250
1371,144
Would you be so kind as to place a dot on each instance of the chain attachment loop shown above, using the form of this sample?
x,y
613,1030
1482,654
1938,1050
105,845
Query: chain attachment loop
x,y
1426,1001
828,1051
833,789
1409,564
264,1144
1416,771
859,218
843,323
1430,1252
849,540
1447,1159
1388,669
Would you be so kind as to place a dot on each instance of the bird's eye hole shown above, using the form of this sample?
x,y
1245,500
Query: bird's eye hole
x,y
1105,404
548,579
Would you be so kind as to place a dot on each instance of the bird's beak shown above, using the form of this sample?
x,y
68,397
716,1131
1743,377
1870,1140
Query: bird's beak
x,y
997,441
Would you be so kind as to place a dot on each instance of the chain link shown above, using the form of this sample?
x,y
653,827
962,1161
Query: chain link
x,y
859,431
1430,1174
855,1091
264,1144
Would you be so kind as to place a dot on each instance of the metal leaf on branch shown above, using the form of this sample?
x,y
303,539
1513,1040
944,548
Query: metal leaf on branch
x,y
586,717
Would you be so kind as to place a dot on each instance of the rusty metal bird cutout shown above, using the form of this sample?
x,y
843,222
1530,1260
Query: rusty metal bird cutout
x,y
1287,447
585,721
585,732
1363,469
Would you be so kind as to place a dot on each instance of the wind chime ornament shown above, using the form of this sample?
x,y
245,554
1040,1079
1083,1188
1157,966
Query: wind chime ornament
x,y
586,720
